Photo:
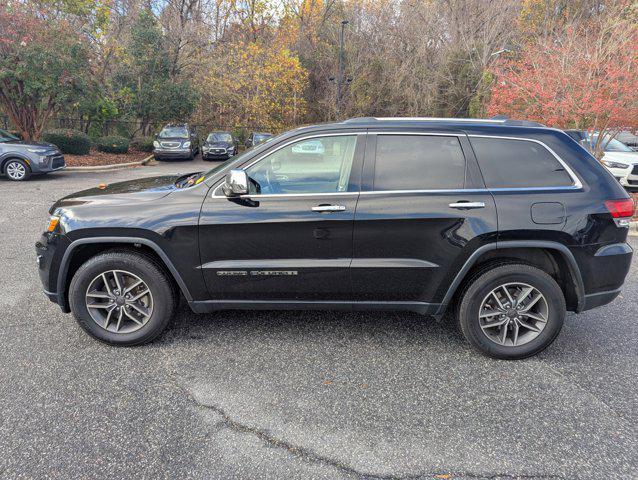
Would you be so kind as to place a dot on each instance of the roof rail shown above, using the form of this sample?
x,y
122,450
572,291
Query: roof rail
x,y
499,120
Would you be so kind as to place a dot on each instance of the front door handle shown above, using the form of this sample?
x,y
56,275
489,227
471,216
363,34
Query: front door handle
x,y
328,208
465,205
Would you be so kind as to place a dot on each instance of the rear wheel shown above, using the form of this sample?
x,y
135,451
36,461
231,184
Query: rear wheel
x,y
122,298
17,170
511,311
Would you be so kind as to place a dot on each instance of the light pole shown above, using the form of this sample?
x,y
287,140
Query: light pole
x,y
340,78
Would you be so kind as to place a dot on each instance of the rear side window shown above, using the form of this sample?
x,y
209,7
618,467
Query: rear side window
x,y
518,164
418,162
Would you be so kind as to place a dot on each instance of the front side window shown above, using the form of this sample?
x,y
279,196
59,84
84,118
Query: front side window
x,y
315,165
418,162
509,163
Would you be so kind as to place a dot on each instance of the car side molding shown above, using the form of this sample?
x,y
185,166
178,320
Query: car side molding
x,y
540,244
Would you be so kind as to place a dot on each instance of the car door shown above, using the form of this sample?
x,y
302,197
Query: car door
x,y
423,209
289,240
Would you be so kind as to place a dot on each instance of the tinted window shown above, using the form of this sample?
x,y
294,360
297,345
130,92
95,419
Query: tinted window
x,y
418,162
317,165
518,163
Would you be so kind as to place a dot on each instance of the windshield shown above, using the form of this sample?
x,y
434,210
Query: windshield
x,y
173,132
6,136
220,137
612,145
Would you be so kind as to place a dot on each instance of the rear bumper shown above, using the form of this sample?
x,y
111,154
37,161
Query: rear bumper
x,y
604,274
599,299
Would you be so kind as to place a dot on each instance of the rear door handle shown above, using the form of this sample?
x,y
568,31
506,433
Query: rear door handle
x,y
328,208
463,205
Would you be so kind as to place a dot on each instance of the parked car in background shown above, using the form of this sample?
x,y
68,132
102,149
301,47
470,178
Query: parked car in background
x,y
255,138
19,159
178,141
629,139
218,146
504,226
619,159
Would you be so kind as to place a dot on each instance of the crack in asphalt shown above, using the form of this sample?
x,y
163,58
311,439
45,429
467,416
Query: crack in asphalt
x,y
313,457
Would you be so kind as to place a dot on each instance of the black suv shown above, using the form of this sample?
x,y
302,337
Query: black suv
x,y
176,142
503,225
218,146
256,138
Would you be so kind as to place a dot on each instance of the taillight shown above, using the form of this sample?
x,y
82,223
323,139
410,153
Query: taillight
x,y
620,208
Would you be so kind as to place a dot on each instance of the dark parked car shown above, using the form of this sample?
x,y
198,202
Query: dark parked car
x,y
255,138
218,146
19,160
176,142
504,226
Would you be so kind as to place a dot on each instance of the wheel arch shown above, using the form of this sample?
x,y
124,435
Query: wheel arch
x,y
551,257
13,156
82,249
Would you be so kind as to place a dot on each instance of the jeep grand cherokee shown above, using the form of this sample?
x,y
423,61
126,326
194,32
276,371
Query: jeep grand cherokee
x,y
504,225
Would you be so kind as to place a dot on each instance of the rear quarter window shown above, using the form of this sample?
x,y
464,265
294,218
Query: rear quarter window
x,y
518,164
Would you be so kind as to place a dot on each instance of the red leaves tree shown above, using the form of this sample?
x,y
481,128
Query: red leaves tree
x,y
43,67
585,78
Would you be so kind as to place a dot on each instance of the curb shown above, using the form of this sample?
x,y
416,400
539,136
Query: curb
x,y
107,168
633,228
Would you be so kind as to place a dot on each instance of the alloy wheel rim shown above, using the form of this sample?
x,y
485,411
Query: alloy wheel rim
x,y
119,301
513,314
16,170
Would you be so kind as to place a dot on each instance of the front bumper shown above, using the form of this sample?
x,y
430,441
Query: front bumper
x,y
52,163
215,156
49,252
172,154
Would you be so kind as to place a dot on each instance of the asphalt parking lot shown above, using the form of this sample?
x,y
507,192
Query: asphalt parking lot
x,y
308,395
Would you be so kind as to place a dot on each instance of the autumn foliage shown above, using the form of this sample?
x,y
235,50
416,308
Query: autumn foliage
x,y
43,67
583,78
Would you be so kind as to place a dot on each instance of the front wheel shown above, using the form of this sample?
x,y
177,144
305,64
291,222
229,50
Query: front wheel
x,y
122,298
17,170
511,311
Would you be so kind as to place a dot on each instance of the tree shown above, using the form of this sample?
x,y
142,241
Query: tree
x,y
44,66
584,78
143,84
255,86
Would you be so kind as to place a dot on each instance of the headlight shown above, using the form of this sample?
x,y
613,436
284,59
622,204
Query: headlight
x,y
186,145
39,151
615,164
156,144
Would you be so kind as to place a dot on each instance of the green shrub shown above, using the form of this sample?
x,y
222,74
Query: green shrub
x,y
69,141
143,144
112,144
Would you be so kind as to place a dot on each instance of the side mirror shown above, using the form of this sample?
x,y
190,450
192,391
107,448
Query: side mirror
x,y
236,183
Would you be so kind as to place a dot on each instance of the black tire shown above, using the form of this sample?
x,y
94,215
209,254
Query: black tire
x,y
164,292
17,170
480,286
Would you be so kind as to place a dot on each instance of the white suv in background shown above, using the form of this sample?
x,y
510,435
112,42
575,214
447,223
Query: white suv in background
x,y
619,159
